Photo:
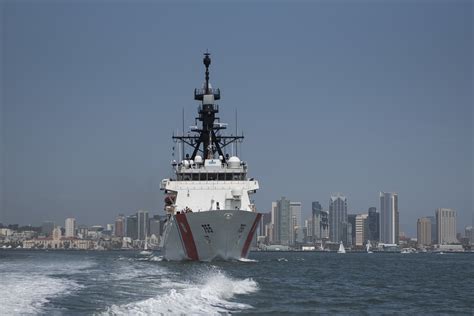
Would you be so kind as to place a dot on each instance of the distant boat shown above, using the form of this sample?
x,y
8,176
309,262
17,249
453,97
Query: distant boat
x,y
341,248
368,246
145,251
408,250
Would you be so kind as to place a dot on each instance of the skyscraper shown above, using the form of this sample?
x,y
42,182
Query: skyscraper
x,y
274,226
423,231
434,230
324,224
389,218
338,218
155,226
282,222
142,227
351,229
120,226
70,226
295,223
374,224
132,227
446,223
316,220
264,221
361,229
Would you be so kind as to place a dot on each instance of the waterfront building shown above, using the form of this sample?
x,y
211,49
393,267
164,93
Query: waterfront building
x,y
155,227
324,224
282,221
110,228
316,220
434,230
351,222
264,221
338,227
57,241
423,231
142,224
446,224
295,223
361,229
132,227
469,234
70,226
308,224
373,220
119,226
389,218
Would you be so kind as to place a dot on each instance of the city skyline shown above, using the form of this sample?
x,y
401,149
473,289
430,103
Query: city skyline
x,y
382,102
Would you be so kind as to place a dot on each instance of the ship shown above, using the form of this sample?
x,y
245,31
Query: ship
x,y
209,211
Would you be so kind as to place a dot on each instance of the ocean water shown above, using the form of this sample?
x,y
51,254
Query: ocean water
x,y
127,283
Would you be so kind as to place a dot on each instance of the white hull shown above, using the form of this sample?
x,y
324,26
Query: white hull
x,y
208,235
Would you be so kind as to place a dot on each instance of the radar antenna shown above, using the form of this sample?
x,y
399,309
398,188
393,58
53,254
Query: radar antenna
x,y
208,134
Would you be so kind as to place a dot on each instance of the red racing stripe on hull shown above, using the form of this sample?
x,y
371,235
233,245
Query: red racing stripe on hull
x,y
187,236
245,250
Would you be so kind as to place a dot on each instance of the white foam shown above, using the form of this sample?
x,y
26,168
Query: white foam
x,y
209,295
247,260
26,294
27,287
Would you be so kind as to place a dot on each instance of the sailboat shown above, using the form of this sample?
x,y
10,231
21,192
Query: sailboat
x,y
145,251
368,246
341,248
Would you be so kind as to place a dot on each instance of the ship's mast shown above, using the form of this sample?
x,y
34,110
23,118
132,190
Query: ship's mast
x,y
208,134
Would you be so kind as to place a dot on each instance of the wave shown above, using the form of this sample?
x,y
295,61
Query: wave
x,y
26,294
27,287
209,294
247,260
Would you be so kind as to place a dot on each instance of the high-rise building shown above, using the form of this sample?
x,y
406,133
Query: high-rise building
x,y
373,220
155,227
119,226
338,227
389,218
142,224
282,221
351,229
324,224
446,223
132,227
361,229
423,231
434,230
70,226
308,224
316,220
469,234
296,227
264,221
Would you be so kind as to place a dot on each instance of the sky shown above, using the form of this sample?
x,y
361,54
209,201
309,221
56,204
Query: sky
x,y
355,97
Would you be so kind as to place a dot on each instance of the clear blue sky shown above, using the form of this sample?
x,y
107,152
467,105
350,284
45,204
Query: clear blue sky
x,y
354,97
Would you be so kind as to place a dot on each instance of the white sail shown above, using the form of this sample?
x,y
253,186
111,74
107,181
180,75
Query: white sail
x,y
341,248
368,246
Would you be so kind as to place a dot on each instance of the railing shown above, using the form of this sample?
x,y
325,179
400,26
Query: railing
x,y
209,108
199,93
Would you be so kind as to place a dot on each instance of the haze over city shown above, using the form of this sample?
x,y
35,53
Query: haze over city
x,y
332,97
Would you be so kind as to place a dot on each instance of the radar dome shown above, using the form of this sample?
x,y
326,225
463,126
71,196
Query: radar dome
x,y
234,162
198,159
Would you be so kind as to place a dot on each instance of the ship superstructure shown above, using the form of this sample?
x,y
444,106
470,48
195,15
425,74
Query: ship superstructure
x,y
209,211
